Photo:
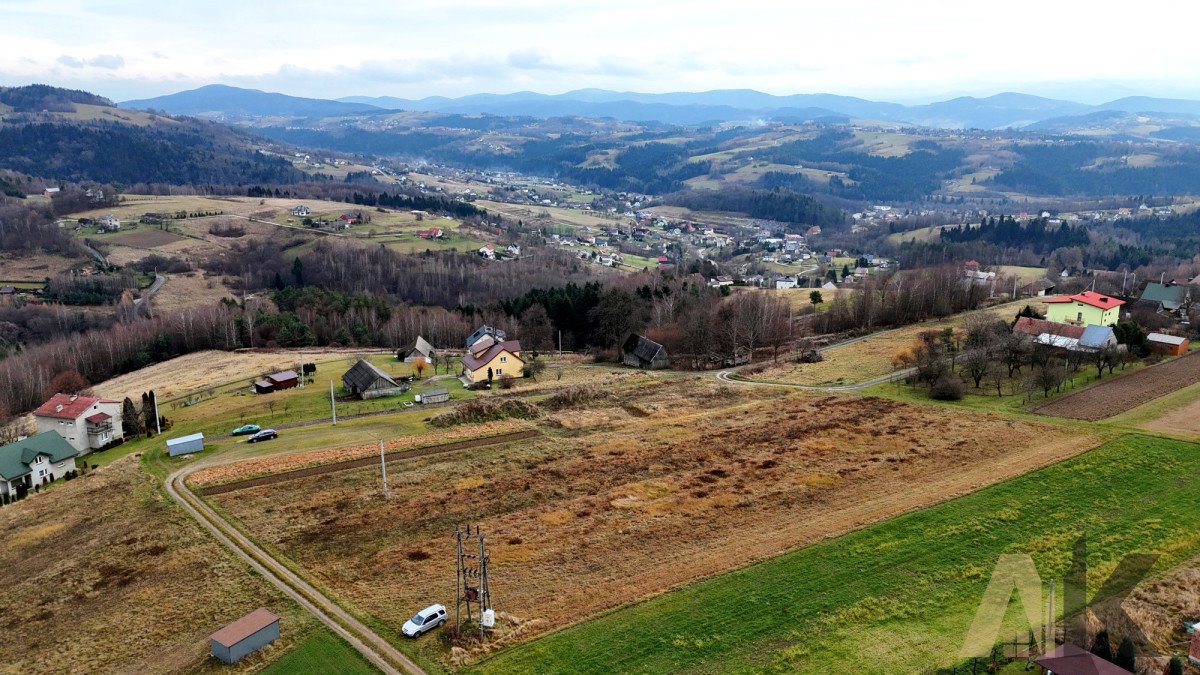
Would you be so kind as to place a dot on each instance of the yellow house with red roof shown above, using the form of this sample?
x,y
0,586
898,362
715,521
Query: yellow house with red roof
x,y
1083,309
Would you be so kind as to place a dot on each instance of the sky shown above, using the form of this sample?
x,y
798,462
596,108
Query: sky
x,y
911,51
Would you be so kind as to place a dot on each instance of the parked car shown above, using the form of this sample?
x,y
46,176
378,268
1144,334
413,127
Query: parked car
x,y
246,429
424,621
264,435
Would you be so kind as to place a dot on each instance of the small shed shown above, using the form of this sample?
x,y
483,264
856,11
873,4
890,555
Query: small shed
x,y
285,380
1162,343
248,634
367,381
264,387
642,352
185,445
435,396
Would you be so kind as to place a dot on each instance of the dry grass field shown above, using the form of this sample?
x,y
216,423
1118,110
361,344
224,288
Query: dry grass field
x,y
36,267
105,574
666,483
866,359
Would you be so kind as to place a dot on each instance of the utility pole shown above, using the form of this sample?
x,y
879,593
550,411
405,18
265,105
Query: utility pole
x,y
157,423
332,403
1049,644
383,468
301,370
560,343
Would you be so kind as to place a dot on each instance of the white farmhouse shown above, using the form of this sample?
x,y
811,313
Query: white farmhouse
x,y
86,422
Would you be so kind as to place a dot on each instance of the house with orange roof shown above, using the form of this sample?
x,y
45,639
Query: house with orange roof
x,y
86,422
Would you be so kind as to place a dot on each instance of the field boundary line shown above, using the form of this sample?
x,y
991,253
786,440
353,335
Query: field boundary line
x,y
369,460
379,652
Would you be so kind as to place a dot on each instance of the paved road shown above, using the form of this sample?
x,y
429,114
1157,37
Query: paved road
x,y
377,650
159,280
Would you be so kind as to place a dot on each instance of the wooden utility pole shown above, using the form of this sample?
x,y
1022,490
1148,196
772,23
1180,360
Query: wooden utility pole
x,y
383,469
332,403
157,423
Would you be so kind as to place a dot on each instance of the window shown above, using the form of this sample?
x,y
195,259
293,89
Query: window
x,y
503,359
499,371
1079,317
42,472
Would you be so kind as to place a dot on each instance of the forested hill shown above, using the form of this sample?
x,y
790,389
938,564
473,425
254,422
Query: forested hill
x,y
64,135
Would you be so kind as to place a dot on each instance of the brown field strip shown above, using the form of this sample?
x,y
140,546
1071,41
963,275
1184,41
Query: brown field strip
x,y
367,461
655,490
1125,392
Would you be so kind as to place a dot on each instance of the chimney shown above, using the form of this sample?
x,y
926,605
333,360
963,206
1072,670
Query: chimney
x,y
58,408
73,397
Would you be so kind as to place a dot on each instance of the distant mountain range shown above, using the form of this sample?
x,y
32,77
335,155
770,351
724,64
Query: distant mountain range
x,y
1007,110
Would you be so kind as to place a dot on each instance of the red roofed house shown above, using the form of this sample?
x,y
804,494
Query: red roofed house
x,y
86,422
498,358
1084,308
1072,660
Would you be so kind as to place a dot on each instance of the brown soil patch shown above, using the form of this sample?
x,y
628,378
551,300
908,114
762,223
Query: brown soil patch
x,y
104,573
370,460
703,479
146,238
1126,392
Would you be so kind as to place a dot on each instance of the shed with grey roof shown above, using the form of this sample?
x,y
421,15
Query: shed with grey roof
x,y
367,381
435,396
642,352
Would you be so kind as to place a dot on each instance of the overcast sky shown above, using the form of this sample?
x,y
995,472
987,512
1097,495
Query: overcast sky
x,y
915,50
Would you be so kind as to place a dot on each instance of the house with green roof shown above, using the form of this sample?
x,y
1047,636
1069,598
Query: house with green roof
x,y
1170,297
36,460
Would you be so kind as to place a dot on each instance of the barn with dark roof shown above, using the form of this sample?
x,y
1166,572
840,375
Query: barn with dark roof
x,y
642,352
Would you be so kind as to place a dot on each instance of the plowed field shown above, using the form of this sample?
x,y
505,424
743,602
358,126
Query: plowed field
x,y
1126,392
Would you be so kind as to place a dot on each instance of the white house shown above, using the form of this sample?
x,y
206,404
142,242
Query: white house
x,y
109,223
300,211
488,252
36,460
86,422
786,282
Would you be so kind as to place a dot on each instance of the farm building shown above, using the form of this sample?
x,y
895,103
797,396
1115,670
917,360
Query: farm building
x,y
642,352
1035,327
1071,660
1084,308
367,381
435,396
185,445
483,331
497,360
1037,289
86,422
33,461
421,349
1097,337
248,634
284,380
1162,343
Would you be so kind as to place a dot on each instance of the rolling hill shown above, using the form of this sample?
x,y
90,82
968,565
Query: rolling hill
x,y
220,101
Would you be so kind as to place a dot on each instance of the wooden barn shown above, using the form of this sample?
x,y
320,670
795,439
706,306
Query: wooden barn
x,y
1161,343
420,349
642,352
366,381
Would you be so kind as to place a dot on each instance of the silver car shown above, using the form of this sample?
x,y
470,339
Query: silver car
x,y
424,621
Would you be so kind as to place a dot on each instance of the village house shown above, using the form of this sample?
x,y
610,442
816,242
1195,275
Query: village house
x,y
642,352
496,360
109,223
300,211
430,233
1172,298
1084,308
420,349
277,381
485,331
33,461
86,422
488,252
786,282
367,381
1037,289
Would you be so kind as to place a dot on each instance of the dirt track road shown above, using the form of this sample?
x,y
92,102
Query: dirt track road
x,y
377,650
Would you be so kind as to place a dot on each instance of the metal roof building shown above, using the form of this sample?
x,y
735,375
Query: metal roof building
x,y
248,634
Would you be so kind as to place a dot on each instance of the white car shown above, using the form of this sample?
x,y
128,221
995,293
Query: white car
x,y
424,621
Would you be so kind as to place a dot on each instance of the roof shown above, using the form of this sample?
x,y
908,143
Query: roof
x,y
482,343
642,347
283,376
364,374
477,360
1058,341
422,346
262,384
1035,327
1072,660
1089,298
72,406
185,439
1171,297
98,418
1042,284
1096,336
436,392
15,457
1166,339
244,627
